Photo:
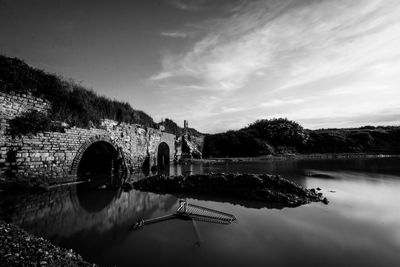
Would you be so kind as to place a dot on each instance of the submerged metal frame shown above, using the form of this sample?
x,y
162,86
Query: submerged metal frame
x,y
192,212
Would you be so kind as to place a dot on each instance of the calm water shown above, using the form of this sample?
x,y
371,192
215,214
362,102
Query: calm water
x,y
359,227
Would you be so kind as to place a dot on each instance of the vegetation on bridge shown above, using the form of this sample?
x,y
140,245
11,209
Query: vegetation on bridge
x,y
171,127
70,102
32,122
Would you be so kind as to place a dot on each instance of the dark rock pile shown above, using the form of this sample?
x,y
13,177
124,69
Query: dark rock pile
x,y
268,188
18,248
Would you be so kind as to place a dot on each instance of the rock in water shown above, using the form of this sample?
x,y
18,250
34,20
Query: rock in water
x,y
264,187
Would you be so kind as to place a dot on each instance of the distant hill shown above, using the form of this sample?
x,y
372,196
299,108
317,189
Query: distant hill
x,y
367,139
279,136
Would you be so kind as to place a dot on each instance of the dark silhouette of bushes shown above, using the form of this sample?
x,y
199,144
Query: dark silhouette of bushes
x,y
262,137
172,127
70,102
359,140
32,122
280,131
279,136
235,144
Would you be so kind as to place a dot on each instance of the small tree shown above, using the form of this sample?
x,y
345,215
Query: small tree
x,y
280,131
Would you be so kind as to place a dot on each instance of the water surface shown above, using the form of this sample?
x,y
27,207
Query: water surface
x,y
359,227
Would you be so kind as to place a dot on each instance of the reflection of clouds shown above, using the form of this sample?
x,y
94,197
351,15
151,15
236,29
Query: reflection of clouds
x,y
311,234
365,198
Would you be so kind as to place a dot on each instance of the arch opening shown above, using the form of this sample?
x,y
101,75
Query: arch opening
x,y
99,162
163,156
93,200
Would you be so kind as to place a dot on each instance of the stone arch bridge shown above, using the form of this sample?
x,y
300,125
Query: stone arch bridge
x,y
57,157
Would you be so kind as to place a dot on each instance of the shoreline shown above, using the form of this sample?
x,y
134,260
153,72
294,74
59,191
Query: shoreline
x,y
316,156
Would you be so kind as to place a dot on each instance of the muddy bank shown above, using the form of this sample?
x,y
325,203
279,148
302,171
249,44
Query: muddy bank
x,y
266,188
19,248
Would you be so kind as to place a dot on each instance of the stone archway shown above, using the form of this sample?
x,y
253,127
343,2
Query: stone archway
x,y
100,158
163,154
99,154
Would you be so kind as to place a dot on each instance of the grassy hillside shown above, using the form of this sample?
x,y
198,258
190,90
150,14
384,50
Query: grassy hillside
x,y
278,136
71,103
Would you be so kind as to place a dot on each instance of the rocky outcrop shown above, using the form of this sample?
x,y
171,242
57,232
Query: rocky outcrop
x,y
189,148
267,188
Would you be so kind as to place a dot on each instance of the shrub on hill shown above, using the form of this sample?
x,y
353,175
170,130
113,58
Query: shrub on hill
x,y
280,131
262,137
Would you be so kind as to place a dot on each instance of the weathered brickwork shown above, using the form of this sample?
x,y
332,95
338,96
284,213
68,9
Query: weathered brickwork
x,y
12,105
53,157
15,104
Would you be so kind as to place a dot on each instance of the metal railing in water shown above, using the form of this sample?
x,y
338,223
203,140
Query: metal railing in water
x,y
190,212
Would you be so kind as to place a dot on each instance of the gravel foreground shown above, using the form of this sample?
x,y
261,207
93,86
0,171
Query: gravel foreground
x,y
19,248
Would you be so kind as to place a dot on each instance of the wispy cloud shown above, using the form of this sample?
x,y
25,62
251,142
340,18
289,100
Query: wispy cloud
x,y
196,5
308,42
174,34
187,5
281,102
286,47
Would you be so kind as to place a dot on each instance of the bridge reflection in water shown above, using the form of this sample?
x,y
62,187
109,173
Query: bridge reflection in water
x,y
65,212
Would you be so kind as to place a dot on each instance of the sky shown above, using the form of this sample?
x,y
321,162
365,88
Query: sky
x,y
221,64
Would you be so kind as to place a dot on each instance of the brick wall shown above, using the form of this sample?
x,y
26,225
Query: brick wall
x,y
53,157
15,104
12,105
